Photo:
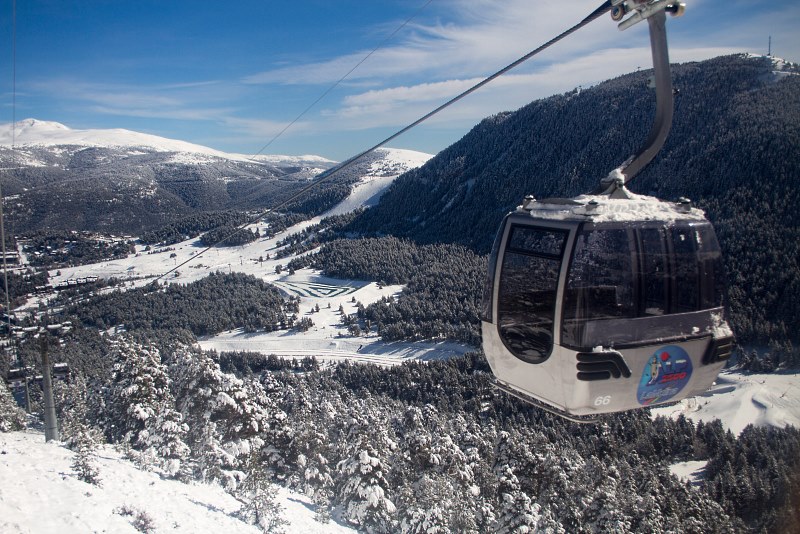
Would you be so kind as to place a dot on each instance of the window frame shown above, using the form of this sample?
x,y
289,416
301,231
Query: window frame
x,y
567,229
709,288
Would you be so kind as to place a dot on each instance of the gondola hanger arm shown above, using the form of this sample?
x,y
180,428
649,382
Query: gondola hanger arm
x,y
655,14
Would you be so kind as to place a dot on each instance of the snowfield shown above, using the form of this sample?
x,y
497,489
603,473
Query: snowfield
x,y
46,497
38,133
739,399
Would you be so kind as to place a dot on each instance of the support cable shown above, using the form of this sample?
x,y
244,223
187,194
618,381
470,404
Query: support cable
x,y
13,164
330,173
340,80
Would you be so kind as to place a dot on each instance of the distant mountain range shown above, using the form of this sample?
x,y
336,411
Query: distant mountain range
x,y
30,136
123,181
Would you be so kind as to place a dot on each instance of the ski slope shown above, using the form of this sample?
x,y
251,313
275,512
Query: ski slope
x,y
328,339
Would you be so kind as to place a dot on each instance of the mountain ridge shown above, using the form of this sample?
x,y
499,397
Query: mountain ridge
x,y
734,149
36,132
120,181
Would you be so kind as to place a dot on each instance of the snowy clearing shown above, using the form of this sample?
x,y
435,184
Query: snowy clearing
x,y
45,496
739,399
691,471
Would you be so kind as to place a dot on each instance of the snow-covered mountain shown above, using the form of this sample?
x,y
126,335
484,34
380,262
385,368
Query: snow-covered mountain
x,y
122,181
31,134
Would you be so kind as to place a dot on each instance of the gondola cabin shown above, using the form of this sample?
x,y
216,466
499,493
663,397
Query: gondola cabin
x,y
599,304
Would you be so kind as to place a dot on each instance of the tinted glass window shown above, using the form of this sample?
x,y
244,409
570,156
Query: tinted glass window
x,y
654,271
619,274
527,293
537,241
709,262
687,283
600,282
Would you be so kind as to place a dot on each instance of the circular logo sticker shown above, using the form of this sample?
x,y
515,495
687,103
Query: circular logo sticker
x,y
666,373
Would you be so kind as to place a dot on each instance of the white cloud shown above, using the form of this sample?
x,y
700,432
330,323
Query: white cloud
x,y
261,128
396,106
193,101
483,36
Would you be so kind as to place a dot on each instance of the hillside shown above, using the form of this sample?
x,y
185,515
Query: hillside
x,y
734,150
125,496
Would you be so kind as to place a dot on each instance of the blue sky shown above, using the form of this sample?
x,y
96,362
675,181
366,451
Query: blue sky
x,y
230,75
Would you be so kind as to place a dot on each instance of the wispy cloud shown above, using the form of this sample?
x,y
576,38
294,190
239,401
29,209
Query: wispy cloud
x,y
187,101
482,36
436,61
261,128
395,106
451,45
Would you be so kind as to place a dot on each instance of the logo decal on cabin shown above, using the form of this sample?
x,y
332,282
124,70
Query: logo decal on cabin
x,y
665,374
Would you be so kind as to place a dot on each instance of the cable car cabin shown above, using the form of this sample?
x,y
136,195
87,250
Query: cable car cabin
x,y
600,304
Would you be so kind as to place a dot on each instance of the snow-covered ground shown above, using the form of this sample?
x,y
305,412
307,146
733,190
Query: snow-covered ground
x,y
739,399
40,494
691,471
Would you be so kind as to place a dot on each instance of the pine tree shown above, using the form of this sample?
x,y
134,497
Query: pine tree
x,y
84,443
226,416
141,408
11,416
363,489
516,512
260,504
426,507
76,430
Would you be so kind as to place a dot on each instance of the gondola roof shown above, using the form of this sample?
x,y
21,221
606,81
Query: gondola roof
x,y
605,208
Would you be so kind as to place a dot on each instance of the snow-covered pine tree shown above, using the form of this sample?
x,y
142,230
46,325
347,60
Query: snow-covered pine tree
x,y
141,408
311,446
605,512
12,417
426,505
363,490
438,494
278,434
76,431
83,442
226,415
516,511
477,443
259,497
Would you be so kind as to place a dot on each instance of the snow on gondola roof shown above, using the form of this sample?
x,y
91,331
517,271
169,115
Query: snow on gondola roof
x,y
603,208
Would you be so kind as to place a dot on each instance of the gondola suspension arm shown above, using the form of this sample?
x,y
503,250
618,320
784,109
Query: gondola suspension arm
x,y
655,13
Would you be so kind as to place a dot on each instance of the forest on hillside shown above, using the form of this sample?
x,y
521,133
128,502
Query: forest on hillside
x,y
217,302
734,149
